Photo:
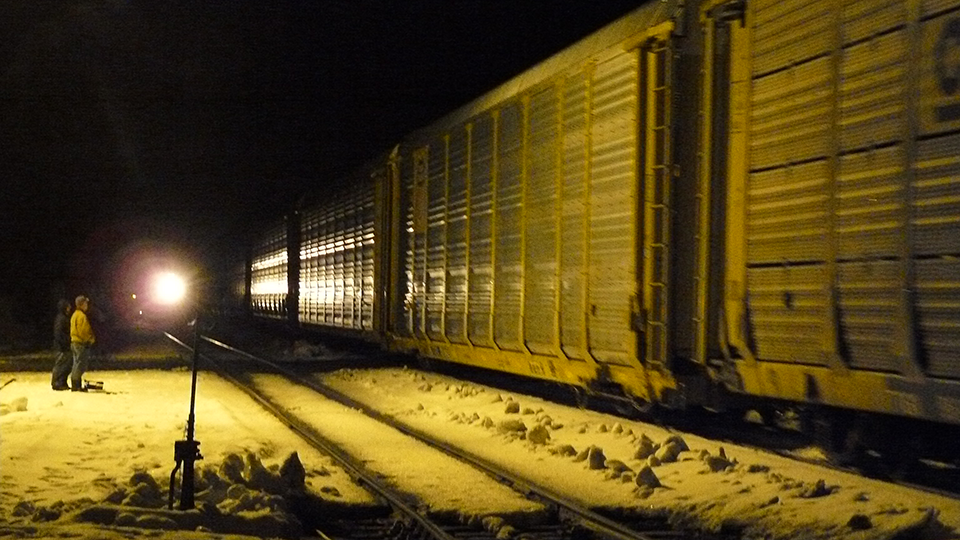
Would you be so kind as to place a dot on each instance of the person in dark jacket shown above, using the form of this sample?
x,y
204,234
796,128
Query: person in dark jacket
x,y
61,342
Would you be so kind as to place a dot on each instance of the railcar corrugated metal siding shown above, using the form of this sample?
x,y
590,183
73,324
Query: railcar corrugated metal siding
x,y
936,189
337,259
521,220
832,198
852,193
268,274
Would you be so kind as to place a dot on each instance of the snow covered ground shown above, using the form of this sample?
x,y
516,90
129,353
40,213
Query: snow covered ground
x,y
713,485
69,461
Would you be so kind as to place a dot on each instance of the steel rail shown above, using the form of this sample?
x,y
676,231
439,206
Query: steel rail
x,y
859,472
598,523
745,435
355,468
595,522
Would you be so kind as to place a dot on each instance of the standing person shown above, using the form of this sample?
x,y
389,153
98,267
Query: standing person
x,y
61,342
81,339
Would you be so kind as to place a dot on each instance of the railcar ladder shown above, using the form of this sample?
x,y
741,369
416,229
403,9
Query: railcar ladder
x,y
658,172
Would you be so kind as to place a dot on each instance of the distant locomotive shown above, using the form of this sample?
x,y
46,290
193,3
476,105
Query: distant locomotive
x,y
703,201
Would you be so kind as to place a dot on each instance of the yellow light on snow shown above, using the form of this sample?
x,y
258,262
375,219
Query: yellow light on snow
x,y
169,288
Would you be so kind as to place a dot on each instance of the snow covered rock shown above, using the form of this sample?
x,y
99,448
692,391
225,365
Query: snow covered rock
x,y
820,489
24,508
144,497
538,435
211,488
145,479
717,463
46,513
564,450
259,478
770,502
262,523
152,521
231,468
647,478
330,490
668,452
512,426
292,473
859,522
645,448
595,458
678,440
617,468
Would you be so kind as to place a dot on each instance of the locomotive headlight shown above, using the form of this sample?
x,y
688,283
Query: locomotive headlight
x,y
169,288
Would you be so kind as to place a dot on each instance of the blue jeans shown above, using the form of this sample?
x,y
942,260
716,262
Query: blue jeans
x,y
61,368
81,360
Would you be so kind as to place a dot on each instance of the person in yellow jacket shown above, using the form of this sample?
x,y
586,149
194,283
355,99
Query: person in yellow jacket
x,y
81,339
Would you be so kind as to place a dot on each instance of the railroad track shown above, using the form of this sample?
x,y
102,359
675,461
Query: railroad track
x,y
943,481
568,520
937,479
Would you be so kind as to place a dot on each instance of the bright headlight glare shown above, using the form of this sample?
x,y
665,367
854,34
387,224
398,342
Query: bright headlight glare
x,y
169,288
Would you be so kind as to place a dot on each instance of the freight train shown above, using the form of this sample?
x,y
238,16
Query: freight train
x,y
702,202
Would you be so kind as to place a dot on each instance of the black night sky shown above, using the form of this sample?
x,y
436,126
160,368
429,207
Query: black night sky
x,y
173,128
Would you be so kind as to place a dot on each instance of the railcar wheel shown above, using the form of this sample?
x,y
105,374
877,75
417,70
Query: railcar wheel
x,y
426,363
838,434
580,397
768,415
639,407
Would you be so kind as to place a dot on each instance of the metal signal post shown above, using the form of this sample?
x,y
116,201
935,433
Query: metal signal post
x,y
187,451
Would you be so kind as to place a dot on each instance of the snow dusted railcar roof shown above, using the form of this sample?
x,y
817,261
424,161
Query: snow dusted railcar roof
x,y
610,39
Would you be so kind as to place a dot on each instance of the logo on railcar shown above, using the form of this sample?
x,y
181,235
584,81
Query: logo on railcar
x,y
943,92
948,58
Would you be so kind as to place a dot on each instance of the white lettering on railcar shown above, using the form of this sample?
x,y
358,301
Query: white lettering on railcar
x,y
947,67
941,75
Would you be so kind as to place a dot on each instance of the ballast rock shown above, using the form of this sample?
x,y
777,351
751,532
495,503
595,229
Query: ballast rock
x,y
647,478
645,448
538,435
